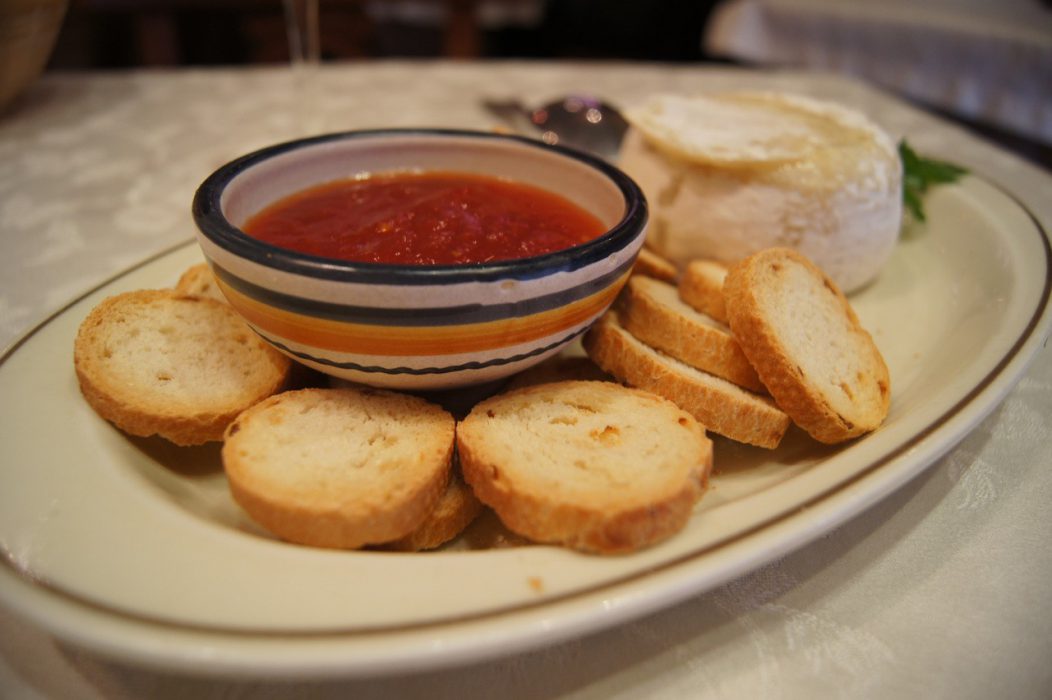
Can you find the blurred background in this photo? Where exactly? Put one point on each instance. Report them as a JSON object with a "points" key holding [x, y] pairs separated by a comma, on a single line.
{"points": [[121, 33], [986, 63]]}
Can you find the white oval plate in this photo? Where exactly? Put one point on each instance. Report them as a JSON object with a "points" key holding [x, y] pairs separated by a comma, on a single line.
{"points": [[134, 549]]}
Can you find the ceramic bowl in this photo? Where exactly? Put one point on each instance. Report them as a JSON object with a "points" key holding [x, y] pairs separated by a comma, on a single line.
{"points": [[418, 327]]}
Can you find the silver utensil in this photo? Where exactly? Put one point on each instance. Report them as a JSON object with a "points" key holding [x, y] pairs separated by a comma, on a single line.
{"points": [[578, 121]]}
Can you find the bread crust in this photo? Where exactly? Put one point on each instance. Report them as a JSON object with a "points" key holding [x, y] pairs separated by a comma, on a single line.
{"points": [[720, 406], [851, 393], [650, 264], [701, 287], [651, 311], [600, 505], [143, 395], [457, 508], [198, 280], [339, 468]]}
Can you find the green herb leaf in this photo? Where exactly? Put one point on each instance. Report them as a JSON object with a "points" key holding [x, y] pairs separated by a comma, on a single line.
{"points": [[919, 174], [913, 203]]}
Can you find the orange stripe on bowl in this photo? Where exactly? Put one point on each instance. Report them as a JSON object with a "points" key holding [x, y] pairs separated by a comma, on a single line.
{"points": [[368, 339]]}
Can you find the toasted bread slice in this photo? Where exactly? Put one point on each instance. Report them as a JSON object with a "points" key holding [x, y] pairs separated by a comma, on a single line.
{"points": [[653, 312], [456, 509], [721, 406], [339, 468], [701, 288], [155, 362], [805, 341], [200, 282], [592, 465], [650, 264]]}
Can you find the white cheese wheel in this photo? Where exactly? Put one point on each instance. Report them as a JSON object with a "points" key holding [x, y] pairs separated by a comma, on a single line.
{"points": [[727, 175]]}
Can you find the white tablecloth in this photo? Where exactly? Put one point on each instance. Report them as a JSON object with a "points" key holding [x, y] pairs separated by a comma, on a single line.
{"points": [[987, 61], [941, 590]]}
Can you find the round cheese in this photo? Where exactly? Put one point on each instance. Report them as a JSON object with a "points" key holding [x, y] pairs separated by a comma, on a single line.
{"points": [[727, 175]]}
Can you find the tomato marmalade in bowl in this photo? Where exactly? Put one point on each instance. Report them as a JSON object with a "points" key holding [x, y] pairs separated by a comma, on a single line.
{"points": [[419, 259], [430, 218]]}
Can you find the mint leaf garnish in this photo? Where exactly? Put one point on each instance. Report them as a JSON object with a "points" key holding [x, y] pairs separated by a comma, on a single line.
{"points": [[919, 174]]}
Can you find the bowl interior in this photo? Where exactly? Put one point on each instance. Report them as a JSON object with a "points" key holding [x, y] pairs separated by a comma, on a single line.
{"points": [[287, 170]]}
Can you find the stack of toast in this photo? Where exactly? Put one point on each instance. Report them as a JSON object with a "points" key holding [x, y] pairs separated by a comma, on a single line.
{"points": [[749, 349]]}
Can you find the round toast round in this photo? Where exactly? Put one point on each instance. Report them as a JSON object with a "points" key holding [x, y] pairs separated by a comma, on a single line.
{"points": [[701, 287], [650, 264], [456, 509], [652, 311], [157, 362], [806, 343], [592, 465], [721, 406], [339, 468], [199, 281]]}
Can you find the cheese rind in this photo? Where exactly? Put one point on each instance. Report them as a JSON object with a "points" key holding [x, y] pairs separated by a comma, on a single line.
{"points": [[731, 174]]}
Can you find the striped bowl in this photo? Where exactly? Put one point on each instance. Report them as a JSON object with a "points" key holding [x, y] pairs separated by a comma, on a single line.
{"points": [[418, 327]]}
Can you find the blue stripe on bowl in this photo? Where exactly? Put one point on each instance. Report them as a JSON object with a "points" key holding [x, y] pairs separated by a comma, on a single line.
{"points": [[420, 316]]}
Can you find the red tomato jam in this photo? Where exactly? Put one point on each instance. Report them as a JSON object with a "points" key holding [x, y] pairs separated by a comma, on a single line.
{"points": [[433, 218]]}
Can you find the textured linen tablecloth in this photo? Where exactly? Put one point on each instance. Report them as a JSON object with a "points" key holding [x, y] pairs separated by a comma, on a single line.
{"points": [[940, 590]]}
